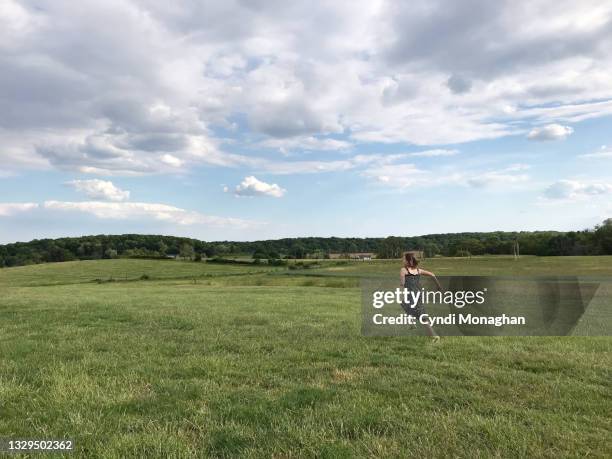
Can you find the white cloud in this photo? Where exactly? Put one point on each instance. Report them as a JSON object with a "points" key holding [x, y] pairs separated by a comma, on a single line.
{"points": [[408, 175], [100, 189], [573, 190], [141, 210], [8, 209], [314, 167], [251, 186], [398, 175], [131, 211], [550, 132], [510, 175], [306, 144], [171, 160], [304, 167], [496, 178], [434, 153], [603, 153]]}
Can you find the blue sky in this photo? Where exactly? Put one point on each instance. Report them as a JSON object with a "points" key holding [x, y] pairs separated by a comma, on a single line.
{"points": [[234, 121]]}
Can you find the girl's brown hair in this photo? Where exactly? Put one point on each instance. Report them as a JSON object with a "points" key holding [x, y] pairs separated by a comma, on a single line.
{"points": [[410, 260]]}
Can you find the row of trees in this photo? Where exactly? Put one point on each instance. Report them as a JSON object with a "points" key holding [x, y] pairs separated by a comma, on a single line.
{"points": [[102, 246], [596, 241]]}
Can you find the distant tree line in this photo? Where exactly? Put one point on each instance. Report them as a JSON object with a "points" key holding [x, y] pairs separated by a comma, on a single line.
{"points": [[596, 241]]}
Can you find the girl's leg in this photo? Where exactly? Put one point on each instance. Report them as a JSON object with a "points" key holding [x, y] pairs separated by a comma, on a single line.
{"points": [[430, 330]]}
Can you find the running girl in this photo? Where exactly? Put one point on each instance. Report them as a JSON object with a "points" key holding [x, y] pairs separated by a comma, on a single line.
{"points": [[410, 279]]}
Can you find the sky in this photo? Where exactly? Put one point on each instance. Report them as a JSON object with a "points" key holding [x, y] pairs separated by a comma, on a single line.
{"points": [[249, 120]]}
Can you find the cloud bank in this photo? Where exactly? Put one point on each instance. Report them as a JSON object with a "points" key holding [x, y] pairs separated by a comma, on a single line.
{"points": [[572, 190], [604, 152], [130, 87], [141, 210], [8, 209], [130, 211]]}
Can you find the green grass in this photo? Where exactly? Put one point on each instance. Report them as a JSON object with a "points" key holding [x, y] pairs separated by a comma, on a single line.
{"points": [[237, 361], [119, 270], [479, 266]]}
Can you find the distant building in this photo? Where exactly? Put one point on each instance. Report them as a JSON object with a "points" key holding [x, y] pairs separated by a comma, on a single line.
{"points": [[362, 255], [353, 255]]}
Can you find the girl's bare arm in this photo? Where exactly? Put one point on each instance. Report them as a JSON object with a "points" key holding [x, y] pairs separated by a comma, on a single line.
{"points": [[430, 274]]}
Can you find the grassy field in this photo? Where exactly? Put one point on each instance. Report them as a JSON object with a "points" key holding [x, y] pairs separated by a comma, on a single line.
{"points": [[175, 359]]}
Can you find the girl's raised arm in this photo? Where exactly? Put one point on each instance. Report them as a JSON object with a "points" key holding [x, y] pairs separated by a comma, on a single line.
{"points": [[430, 274]]}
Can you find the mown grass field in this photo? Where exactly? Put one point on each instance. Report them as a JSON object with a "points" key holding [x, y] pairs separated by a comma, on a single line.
{"points": [[205, 360]]}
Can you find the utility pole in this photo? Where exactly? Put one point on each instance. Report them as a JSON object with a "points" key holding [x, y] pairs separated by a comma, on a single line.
{"points": [[516, 250]]}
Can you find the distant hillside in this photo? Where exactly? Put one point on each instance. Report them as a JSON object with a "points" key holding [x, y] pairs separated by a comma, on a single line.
{"points": [[597, 241]]}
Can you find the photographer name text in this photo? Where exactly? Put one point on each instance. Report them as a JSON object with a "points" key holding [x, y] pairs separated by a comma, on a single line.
{"points": [[450, 319]]}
